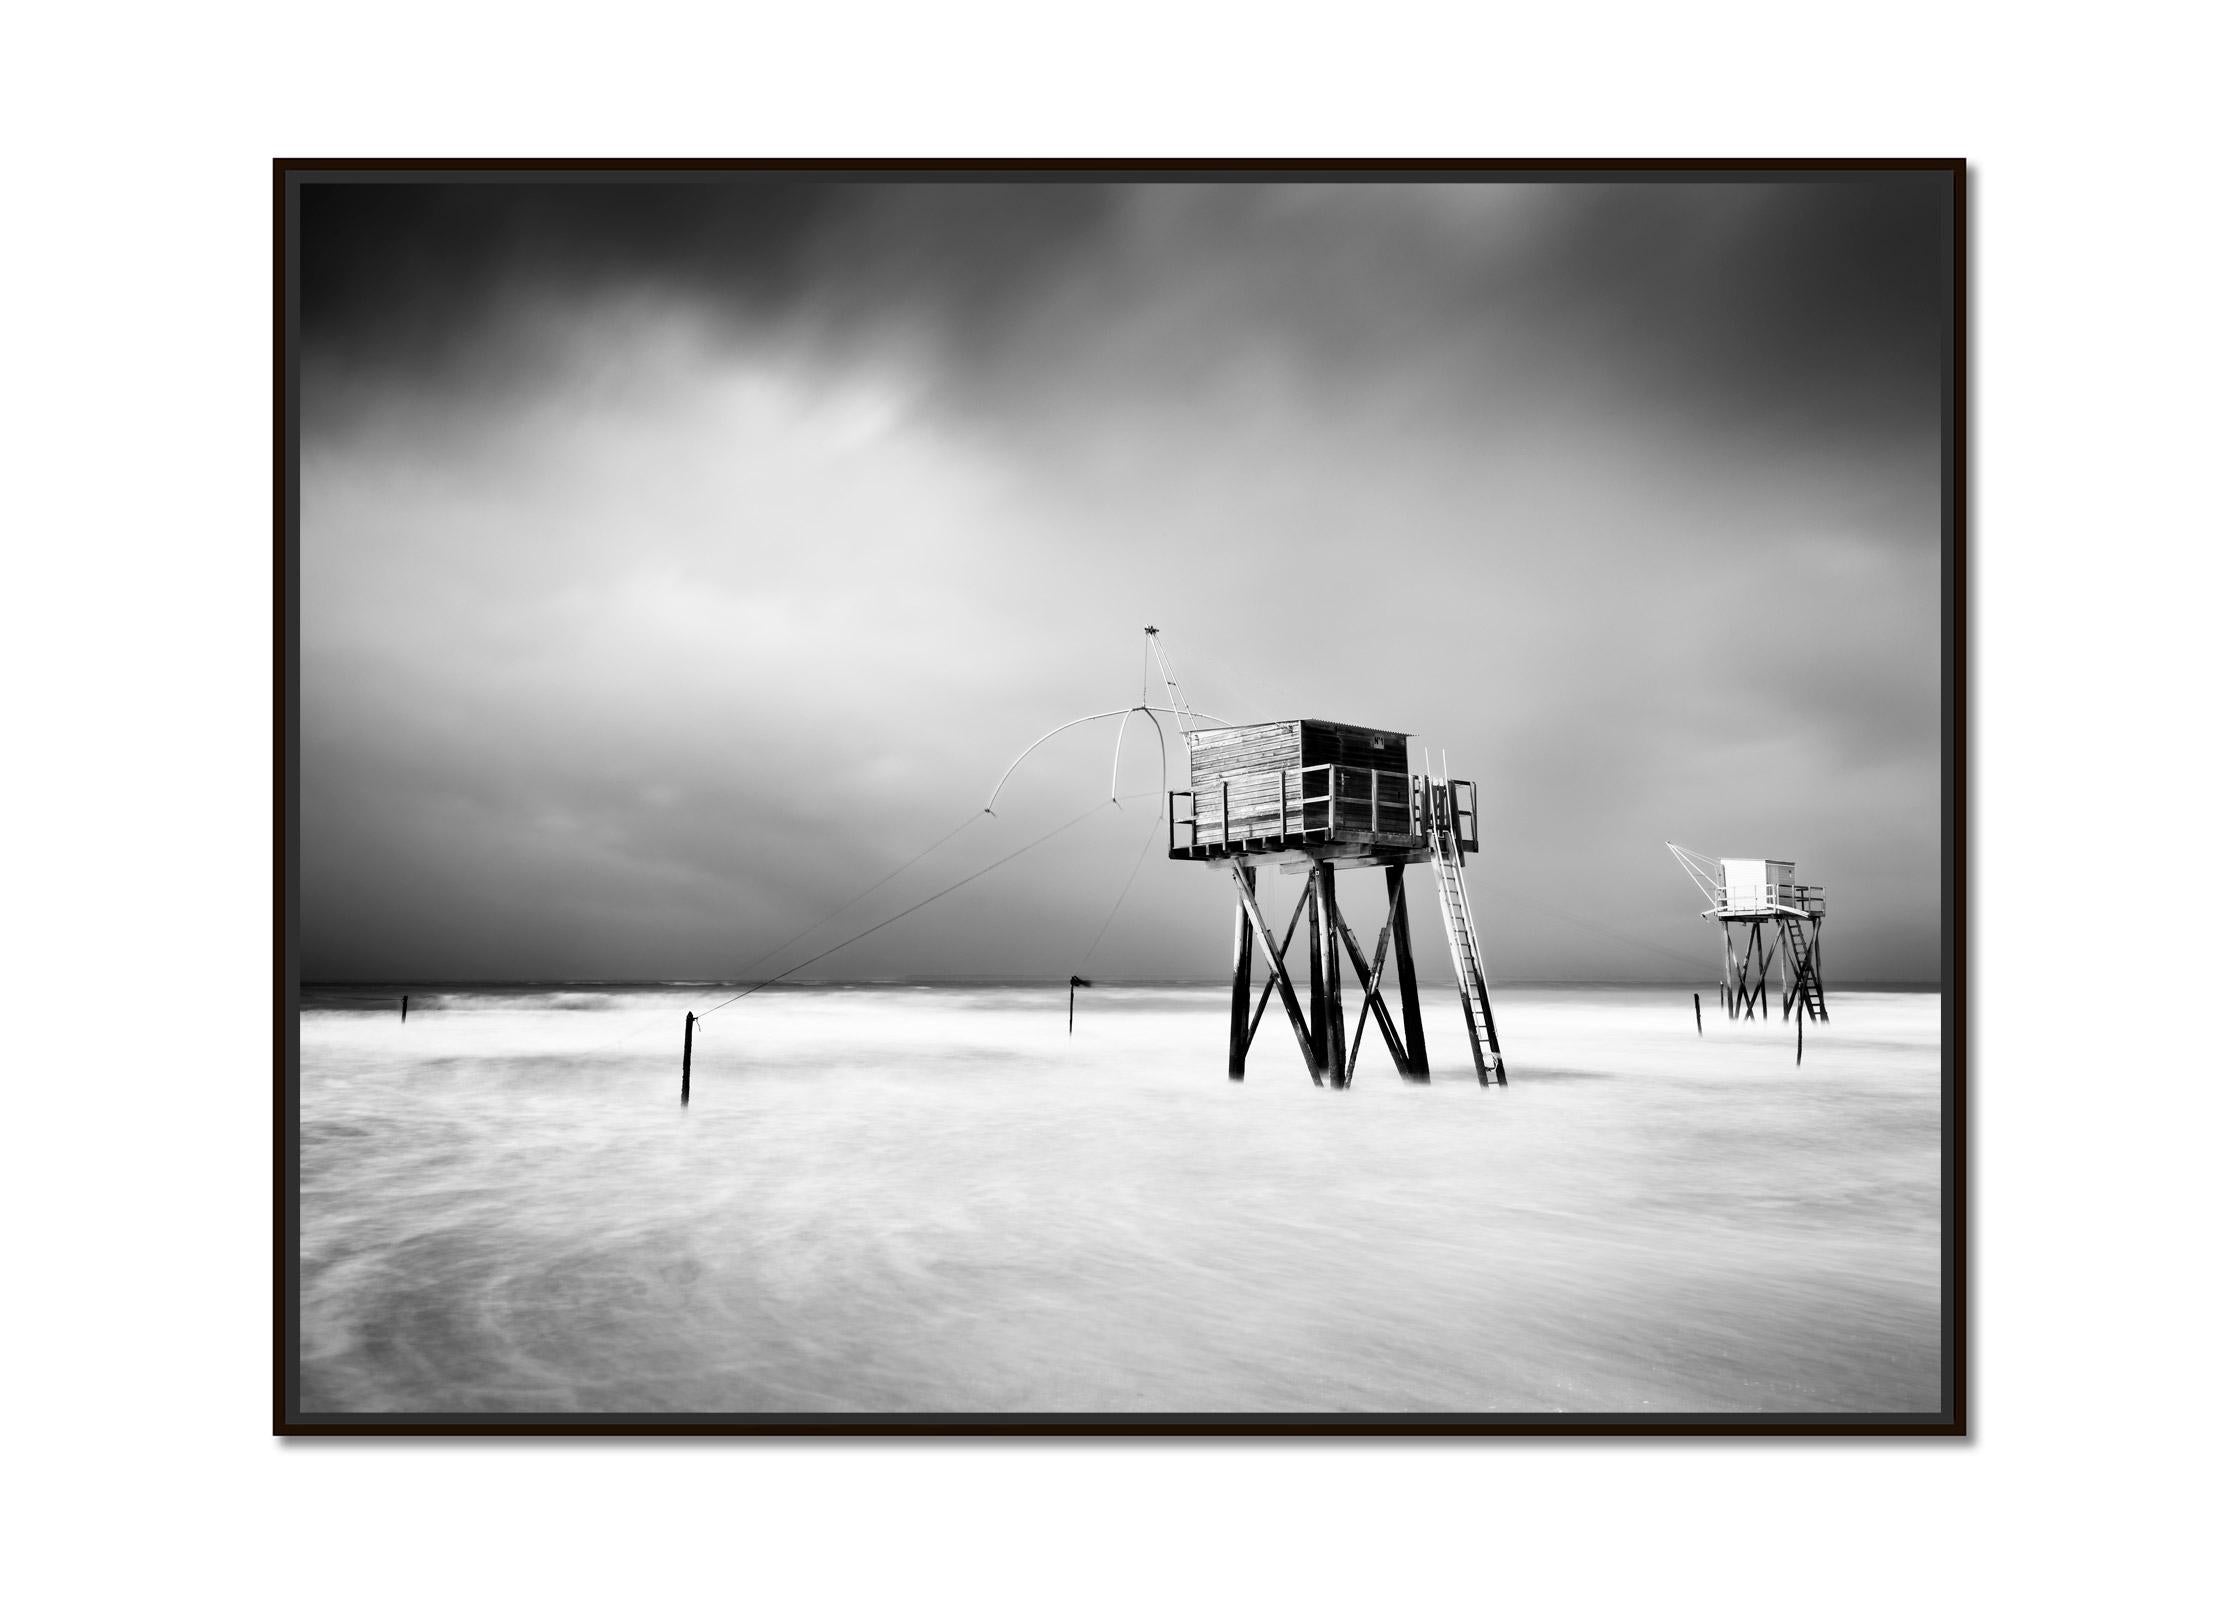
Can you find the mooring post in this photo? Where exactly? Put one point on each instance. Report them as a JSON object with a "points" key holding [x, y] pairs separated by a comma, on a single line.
{"points": [[1699, 1015], [404, 1006], [1240, 979], [685, 1098]]}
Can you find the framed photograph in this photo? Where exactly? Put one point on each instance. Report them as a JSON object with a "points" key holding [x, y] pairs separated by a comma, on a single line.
{"points": [[1066, 798]]}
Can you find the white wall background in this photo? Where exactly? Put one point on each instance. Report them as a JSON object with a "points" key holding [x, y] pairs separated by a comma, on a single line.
{"points": [[137, 661]]}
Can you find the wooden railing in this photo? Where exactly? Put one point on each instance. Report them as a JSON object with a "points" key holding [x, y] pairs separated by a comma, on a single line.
{"points": [[1456, 803], [1323, 800], [1807, 898]]}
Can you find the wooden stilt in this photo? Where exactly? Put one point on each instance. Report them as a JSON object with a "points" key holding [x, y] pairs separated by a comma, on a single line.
{"points": [[1404, 960], [1765, 970], [1240, 985], [685, 1098], [1334, 1030], [1749, 1002], [1699, 1016], [1318, 980], [1788, 986]]}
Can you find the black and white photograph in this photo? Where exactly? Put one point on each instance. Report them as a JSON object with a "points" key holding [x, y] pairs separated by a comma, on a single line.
{"points": [[1085, 798]]}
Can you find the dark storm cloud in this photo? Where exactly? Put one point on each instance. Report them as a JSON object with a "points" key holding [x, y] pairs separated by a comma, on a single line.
{"points": [[418, 282], [407, 277], [678, 557], [1813, 293], [1813, 302]]}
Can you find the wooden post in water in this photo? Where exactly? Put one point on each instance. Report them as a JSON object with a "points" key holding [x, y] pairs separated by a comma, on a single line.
{"points": [[1800, 1036], [1070, 987], [404, 1006], [1699, 1016], [685, 1098]]}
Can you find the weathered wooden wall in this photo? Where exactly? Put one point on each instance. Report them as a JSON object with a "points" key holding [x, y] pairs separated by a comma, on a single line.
{"points": [[1251, 760]]}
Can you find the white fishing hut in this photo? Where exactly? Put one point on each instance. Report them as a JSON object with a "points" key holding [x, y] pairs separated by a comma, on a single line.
{"points": [[1766, 919]]}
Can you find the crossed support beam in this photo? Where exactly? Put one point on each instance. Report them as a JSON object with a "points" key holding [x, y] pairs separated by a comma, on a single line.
{"points": [[1746, 988], [1321, 1027], [1750, 970]]}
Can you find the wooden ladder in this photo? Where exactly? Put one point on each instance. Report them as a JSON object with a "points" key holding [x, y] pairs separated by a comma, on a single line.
{"points": [[1462, 940], [1804, 961]]}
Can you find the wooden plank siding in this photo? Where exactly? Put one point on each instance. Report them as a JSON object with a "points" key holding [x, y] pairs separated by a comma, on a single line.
{"points": [[1249, 759], [1252, 762], [1216, 753]]}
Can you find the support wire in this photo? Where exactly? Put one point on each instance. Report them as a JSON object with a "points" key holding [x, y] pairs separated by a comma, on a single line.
{"points": [[906, 910]]}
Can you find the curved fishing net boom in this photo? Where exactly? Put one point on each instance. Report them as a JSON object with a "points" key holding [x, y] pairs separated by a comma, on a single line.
{"points": [[1153, 712], [1177, 708]]}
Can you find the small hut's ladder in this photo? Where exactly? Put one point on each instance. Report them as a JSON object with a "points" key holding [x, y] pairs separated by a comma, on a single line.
{"points": [[1804, 963], [1462, 936]]}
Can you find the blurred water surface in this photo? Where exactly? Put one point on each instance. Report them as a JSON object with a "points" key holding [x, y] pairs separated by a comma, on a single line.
{"points": [[894, 1198]]}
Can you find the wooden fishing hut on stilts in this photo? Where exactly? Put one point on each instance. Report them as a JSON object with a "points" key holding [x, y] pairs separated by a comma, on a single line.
{"points": [[1312, 798], [1778, 922]]}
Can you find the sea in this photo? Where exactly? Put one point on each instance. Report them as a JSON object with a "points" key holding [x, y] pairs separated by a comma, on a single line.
{"points": [[937, 1198]]}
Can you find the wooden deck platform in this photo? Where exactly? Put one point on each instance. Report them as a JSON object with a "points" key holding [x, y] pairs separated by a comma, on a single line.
{"points": [[1332, 844], [1326, 812]]}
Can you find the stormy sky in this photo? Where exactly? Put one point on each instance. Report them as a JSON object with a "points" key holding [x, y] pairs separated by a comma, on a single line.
{"points": [[679, 558]]}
